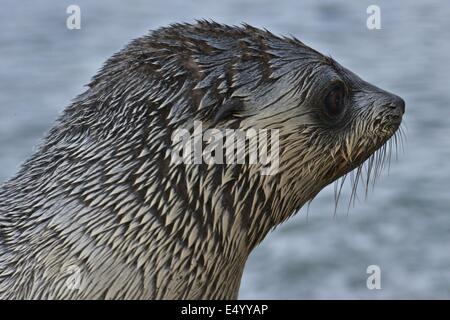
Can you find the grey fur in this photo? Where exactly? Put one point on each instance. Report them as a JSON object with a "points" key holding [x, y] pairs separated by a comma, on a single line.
{"points": [[101, 193]]}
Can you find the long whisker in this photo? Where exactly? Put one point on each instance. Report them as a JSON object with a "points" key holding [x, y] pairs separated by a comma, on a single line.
{"points": [[337, 192], [370, 170]]}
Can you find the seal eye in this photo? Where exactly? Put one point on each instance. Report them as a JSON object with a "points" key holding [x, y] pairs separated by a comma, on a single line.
{"points": [[334, 102]]}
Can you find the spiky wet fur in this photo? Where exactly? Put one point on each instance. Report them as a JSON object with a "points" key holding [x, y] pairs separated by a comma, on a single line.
{"points": [[101, 192]]}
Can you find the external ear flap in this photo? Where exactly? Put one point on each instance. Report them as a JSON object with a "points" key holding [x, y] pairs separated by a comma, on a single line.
{"points": [[224, 111]]}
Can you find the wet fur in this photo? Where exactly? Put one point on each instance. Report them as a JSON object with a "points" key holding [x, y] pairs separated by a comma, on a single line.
{"points": [[101, 193]]}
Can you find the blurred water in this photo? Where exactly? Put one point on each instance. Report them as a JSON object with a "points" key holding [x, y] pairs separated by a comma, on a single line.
{"points": [[404, 226]]}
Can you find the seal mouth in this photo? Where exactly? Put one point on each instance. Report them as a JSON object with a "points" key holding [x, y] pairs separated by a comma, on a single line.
{"points": [[395, 119], [388, 124], [366, 171]]}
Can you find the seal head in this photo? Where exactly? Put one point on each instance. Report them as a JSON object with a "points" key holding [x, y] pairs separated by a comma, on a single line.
{"points": [[101, 211]]}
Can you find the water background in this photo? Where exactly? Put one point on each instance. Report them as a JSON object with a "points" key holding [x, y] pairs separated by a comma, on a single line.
{"points": [[403, 226]]}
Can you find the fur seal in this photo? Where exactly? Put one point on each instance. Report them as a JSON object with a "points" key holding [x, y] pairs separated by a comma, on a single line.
{"points": [[100, 212]]}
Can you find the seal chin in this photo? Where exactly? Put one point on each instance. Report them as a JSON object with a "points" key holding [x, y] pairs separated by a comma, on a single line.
{"points": [[389, 126]]}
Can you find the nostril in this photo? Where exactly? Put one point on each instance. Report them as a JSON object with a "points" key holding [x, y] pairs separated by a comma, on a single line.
{"points": [[398, 103], [401, 104]]}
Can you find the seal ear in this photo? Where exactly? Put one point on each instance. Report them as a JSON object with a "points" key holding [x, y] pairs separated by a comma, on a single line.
{"points": [[227, 109]]}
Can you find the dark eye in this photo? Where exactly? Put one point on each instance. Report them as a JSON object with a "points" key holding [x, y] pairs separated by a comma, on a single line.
{"points": [[334, 102]]}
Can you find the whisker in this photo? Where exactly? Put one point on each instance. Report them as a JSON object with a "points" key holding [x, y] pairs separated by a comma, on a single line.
{"points": [[355, 180], [369, 168], [308, 205], [369, 171], [337, 192]]}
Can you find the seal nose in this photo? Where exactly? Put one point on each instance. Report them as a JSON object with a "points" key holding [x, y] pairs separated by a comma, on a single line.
{"points": [[398, 104]]}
